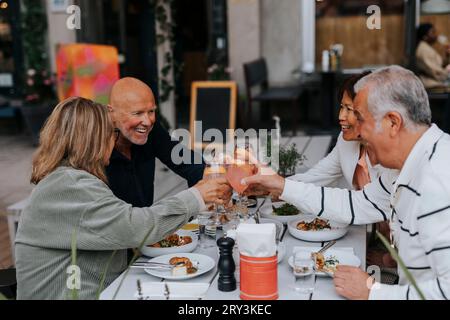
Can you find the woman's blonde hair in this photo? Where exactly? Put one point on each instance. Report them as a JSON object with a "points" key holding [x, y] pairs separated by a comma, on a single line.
{"points": [[78, 134]]}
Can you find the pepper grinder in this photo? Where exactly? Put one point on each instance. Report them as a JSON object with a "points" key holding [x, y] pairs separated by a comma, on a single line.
{"points": [[226, 266]]}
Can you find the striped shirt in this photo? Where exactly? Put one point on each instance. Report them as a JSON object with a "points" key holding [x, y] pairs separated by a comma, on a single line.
{"points": [[419, 207]]}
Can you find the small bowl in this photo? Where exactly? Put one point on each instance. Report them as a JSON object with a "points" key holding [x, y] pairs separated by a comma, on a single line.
{"points": [[337, 231], [267, 212], [155, 252]]}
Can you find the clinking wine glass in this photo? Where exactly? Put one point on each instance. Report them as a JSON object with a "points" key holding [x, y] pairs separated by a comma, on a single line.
{"points": [[241, 168], [216, 170]]}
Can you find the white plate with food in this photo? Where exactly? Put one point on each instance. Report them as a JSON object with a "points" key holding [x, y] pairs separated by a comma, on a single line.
{"points": [[280, 211], [185, 266], [327, 262], [314, 229], [180, 241]]}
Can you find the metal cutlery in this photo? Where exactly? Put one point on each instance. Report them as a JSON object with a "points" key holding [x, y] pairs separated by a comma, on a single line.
{"points": [[166, 291], [155, 265], [323, 249], [327, 246], [256, 215]]}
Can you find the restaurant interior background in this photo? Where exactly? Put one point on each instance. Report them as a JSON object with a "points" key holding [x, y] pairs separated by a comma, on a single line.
{"points": [[212, 39]]}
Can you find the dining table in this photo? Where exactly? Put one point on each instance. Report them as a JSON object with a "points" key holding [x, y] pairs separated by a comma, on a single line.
{"points": [[324, 288]]}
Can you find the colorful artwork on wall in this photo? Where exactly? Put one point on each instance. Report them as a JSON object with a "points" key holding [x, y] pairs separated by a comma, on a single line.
{"points": [[86, 70]]}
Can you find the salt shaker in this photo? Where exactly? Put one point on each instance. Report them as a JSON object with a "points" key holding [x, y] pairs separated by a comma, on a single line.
{"points": [[226, 266]]}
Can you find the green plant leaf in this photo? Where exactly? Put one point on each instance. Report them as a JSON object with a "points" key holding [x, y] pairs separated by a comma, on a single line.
{"points": [[133, 260], [402, 265], [74, 261], [102, 281]]}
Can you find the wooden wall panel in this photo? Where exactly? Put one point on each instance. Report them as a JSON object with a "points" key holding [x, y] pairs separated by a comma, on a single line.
{"points": [[370, 47], [362, 46]]}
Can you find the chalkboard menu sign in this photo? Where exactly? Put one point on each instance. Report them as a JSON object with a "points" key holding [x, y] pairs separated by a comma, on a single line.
{"points": [[213, 104]]}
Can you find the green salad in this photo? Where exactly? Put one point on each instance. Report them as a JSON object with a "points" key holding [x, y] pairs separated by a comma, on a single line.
{"points": [[285, 210]]}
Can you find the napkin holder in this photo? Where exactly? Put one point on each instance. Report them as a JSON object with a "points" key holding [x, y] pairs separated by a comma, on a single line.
{"points": [[258, 262]]}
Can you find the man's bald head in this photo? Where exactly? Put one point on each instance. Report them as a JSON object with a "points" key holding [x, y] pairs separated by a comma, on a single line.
{"points": [[130, 91], [133, 109]]}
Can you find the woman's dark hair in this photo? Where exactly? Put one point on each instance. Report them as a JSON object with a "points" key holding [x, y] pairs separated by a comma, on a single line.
{"points": [[349, 84], [423, 30]]}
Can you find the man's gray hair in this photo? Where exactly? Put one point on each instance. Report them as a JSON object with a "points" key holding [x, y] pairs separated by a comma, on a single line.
{"points": [[397, 89]]}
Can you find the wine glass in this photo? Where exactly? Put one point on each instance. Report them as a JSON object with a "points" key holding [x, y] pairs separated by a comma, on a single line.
{"points": [[241, 168], [214, 170]]}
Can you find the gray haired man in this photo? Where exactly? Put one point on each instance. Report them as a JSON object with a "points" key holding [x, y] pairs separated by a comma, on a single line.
{"points": [[395, 118], [393, 110]]}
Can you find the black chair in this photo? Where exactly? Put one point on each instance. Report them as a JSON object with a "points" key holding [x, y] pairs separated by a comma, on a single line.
{"points": [[256, 74], [8, 283], [440, 99]]}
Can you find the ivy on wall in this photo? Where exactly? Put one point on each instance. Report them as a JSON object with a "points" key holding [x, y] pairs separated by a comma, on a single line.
{"points": [[165, 38], [34, 29]]}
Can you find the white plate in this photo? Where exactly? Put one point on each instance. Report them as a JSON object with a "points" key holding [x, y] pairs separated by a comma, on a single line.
{"points": [[155, 252], [337, 231], [267, 212], [204, 264], [345, 257]]}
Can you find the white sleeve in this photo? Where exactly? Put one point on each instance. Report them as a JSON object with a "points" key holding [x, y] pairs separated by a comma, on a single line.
{"points": [[433, 225], [325, 172], [370, 205]]}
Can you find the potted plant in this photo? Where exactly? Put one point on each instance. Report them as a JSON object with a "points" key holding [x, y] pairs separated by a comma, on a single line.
{"points": [[39, 101], [289, 159], [39, 94]]}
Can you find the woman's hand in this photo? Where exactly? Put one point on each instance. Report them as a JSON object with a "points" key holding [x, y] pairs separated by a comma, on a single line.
{"points": [[215, 190], [265, 181]]}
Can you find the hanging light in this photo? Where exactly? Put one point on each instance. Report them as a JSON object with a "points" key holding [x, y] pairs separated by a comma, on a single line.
{"points": [[435, 7], [3, 5]]}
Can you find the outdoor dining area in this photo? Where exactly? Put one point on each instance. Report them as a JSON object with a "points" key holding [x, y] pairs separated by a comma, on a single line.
{"points": [[225, 151]]}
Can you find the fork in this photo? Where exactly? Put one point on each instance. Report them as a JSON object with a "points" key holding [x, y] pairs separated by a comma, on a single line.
{"points": [[325, 248], [155, 265], [166, 291], [256, 214]]}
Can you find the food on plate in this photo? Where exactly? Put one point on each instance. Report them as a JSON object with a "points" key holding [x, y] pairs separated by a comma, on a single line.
{"points": [[174, 240], [182, 266], [323, 264], [315, 225], [286, 210]]}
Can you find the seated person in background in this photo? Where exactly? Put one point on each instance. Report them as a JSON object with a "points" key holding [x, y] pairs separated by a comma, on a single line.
{"points": [[392, 107], [431, 68], [73, 199]]}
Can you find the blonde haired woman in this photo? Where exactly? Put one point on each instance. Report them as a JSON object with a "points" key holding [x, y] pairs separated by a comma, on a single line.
{"points": [[72, 197]]}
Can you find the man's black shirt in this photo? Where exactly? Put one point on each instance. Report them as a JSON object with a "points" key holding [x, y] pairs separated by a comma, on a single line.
{"points": [[133, 180]]}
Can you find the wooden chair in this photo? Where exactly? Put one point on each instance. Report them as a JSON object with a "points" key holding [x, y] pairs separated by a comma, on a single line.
{"points": [[256, 74]]}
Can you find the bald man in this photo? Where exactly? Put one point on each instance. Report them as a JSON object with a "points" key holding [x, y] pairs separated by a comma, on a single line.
{"points": [[131, 169]]}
